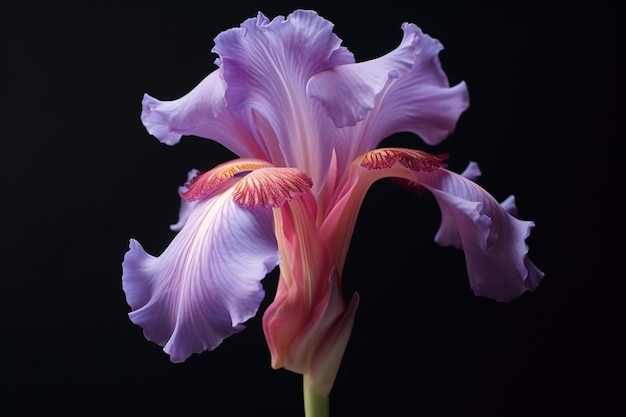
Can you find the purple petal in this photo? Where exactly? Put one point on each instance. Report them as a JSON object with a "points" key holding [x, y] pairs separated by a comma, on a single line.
{"points": [[509, 205], [415, 99], [201, 112], [208, 280], [189, 115], [422, 102], [472, 171], [492, 239], [266, 66], [449, 234], [348, 92]]}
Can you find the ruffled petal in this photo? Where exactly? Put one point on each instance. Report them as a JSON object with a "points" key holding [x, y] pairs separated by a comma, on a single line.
{"points": [[201, 112], [207, 282], [385, 96], [448, 233], [419, 100], [338, 224], [189, 115], [492, 239], [266, 65], [348, 92]]}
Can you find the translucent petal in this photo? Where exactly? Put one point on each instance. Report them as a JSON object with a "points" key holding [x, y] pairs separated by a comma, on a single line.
{"points": [[492, 239], [384, 96], [201, 112], [403, 91], [207, 282], [266, 65]]}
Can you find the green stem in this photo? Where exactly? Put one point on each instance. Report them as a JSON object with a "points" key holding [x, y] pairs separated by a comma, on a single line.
{"points": [[315, 405]]}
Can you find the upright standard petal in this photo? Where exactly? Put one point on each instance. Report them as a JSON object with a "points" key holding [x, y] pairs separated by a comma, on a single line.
{"points": [[207, 282], [188, 115], [405, 90], [202, 112], [348, 92], [422, 102], [266, 65]]}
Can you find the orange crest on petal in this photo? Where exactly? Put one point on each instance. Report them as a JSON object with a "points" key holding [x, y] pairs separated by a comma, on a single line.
{"points": [[203, 183], [410, 158], [271, 187]]}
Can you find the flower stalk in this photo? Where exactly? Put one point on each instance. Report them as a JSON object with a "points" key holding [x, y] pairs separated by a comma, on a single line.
{"points": [[305, 120], [315, 404]]}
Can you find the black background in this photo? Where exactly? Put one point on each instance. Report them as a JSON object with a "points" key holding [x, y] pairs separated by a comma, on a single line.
{"points": [[80, 176]]}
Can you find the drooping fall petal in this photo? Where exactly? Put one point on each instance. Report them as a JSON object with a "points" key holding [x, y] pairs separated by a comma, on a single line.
{"points": [[308, 324], [305, 119], [339, 223], [206, 284], [492, 239]]}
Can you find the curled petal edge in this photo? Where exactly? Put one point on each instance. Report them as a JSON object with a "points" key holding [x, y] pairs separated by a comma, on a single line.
{"points": [[198, 292], [492, 239]]}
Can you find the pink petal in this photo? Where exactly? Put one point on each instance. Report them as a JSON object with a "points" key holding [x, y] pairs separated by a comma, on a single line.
{"points": [[304, 282], [307, 326], [207, 282], [327, 356]]}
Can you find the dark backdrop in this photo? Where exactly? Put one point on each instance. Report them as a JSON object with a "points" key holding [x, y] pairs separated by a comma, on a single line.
{"points": [[80, 176]]}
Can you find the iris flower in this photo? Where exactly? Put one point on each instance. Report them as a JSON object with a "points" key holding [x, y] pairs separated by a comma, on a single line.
{"points": [[306, 121]]}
